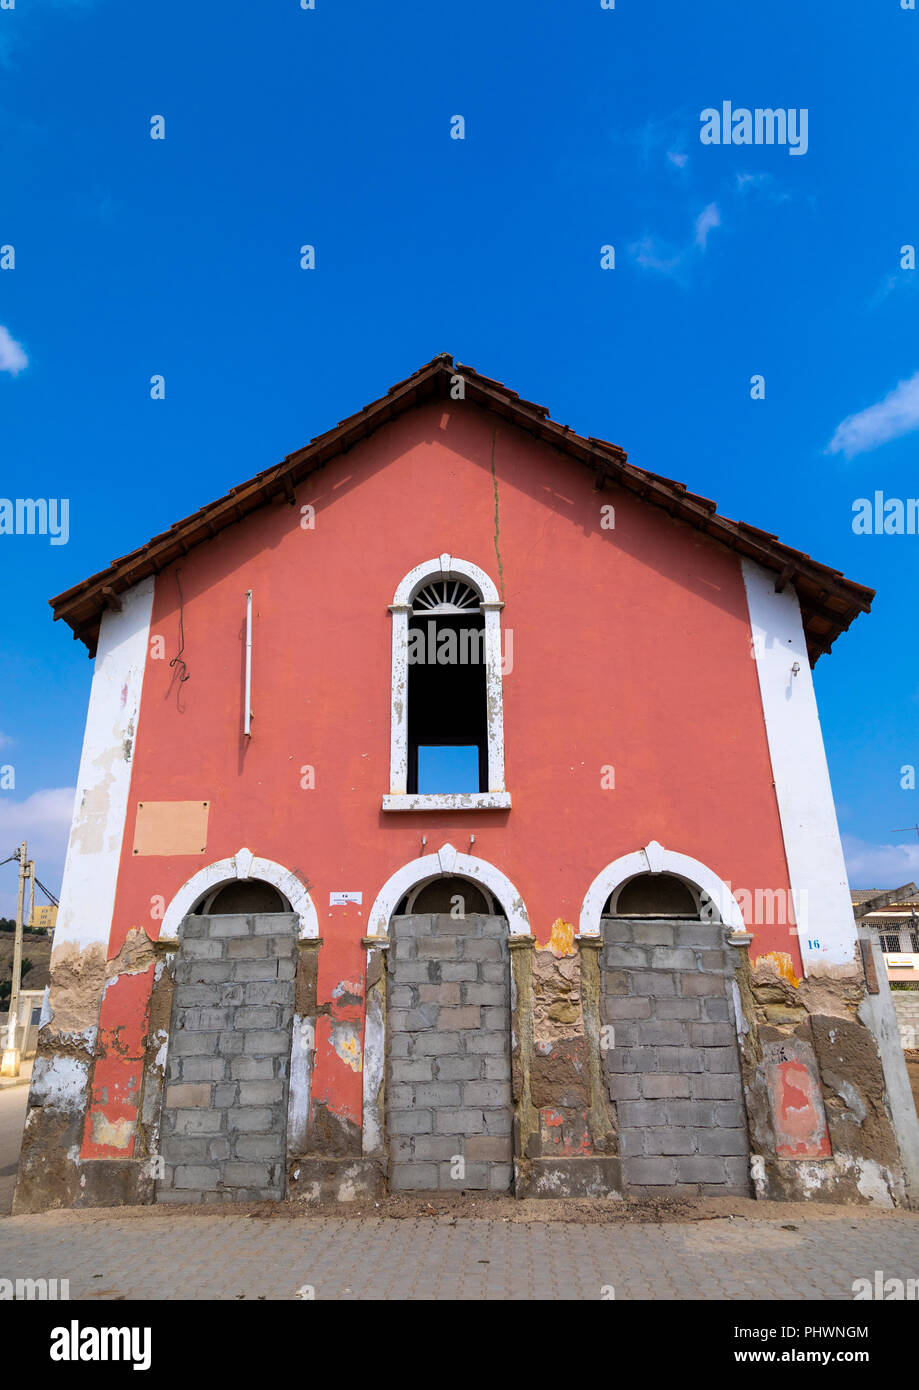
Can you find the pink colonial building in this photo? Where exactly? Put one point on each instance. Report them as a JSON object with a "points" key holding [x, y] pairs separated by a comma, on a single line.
{"points": [[453, 813]]}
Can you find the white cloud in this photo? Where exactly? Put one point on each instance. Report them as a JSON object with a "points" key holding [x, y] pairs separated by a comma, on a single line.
{"points": [[12, 354], [5, 740], [897, 414], [677, 158], [880, 866], [708, 219], [43, 821], [674, 260]]}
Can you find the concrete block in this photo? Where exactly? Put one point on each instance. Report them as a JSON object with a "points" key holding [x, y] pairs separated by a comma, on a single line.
{"points": [[187, 1095], [665, 958], [203, 949], [249, 1119], [726, 1142], [683, 1059], [193, 1044], [662, 1086], [257, 1016], [261, 1092], [467, 1017], [204, 1068], [699, 1168], [439, 994], [641, 1113], [411, 1069], [696, 986], [655, 983], [626, 957], [412, 1177], [266, 1043], [230, 925], [712, 1035], [485, 948], [485, 994], [247, 948], [436, 1147], [459, 970], [657, 1172], [437, 1044], [254, 1068], [678, 1008], [624, 1007], [716, 1086], [410, 1121], [488, 1094], [437, 1093], [201, 1176], [436, 948], [264, 1146], [469, 1177], [463, 1068], [247, 1175], [668, 1032]]}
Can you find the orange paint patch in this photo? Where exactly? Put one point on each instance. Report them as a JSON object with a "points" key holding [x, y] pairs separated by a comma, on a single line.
{"points": [[783, 964], [561, 939]]}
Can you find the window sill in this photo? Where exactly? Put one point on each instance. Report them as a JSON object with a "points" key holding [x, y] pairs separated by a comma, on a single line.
{"points": [[447, 801]]}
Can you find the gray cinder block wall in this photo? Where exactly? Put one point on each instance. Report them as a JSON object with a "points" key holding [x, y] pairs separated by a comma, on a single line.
{"points": [[224, 1119], [674, 1067], [906, 1007], [448, 1088]]}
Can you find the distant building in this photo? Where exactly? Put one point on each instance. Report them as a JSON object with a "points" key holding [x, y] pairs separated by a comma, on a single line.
{"points": [[43, 917], [897, 929]]}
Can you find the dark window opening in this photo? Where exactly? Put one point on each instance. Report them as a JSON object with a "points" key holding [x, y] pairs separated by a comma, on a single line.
{"points": [[439, 895], [244, 896], [653, 895], [447, 724]]}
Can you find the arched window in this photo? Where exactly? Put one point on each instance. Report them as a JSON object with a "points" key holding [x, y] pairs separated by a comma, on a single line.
{"points": [[441, 894], [653, 895], [447, 743], [243, 896]]}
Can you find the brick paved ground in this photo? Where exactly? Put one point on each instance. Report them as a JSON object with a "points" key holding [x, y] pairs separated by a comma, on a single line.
{"points": [[228, 1257]]}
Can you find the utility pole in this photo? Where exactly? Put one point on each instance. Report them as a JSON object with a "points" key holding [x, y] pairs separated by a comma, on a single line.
{"points": [[12, 1055]]}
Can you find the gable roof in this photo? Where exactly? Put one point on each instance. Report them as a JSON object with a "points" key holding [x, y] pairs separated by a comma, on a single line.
{"points": [[829, 601]]}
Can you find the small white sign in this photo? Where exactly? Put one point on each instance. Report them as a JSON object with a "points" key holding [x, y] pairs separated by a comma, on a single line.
{"points": [[338, 899]]}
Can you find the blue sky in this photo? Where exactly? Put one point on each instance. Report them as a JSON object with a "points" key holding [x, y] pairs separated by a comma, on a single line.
{"points": [[332, 127]]}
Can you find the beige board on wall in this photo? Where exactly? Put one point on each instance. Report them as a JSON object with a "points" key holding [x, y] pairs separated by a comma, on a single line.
{"points": [[171, 827]]}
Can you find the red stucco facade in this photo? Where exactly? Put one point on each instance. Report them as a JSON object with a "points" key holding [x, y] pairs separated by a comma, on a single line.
{"points": [[631, 649]]}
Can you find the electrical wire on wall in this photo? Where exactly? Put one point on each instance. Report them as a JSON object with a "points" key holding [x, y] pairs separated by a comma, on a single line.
{"points": [[180, 671]]}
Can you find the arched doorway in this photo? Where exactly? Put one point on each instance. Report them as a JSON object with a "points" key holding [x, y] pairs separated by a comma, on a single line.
{"points": [[438, 1107], [226, 1090], [670, 1058]]}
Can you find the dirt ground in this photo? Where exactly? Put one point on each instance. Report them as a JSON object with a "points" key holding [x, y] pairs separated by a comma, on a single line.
{"points": [[451, 1207]]}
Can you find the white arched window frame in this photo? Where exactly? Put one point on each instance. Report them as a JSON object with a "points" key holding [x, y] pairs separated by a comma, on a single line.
{"points": [[496, 798]]}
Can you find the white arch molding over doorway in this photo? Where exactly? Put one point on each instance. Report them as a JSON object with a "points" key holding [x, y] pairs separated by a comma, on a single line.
{"points": [[654, 859], [243, 864], [496, 797], [448, 862]]}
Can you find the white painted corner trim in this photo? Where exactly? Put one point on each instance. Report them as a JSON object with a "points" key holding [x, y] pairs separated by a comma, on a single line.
{"points": [[654, 859], [444, 567], [104, 780], [813, 848], [448, 861], [244, 864]]}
